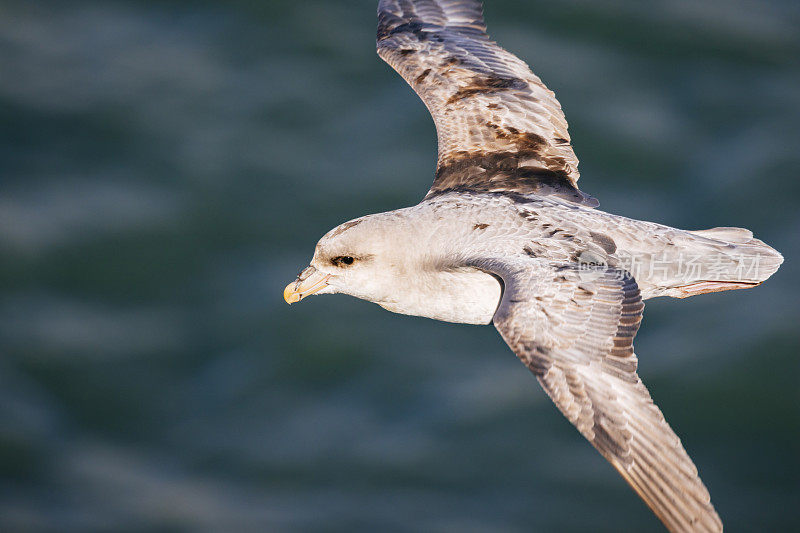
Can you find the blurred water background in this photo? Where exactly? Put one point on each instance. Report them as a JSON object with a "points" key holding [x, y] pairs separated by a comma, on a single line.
{"points": [[166, 168]]}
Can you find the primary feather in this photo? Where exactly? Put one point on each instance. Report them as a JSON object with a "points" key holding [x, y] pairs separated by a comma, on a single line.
{"points": [[499, 126]]}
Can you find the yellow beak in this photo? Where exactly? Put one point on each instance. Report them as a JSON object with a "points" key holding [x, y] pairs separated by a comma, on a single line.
{"points": [[307, 283]]}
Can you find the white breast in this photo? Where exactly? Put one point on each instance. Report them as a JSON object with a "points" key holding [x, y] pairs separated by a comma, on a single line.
{"points": [[465, 296]]}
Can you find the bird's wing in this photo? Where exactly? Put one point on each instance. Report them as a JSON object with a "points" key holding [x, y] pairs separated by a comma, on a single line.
{"points": [[499, 127], [574, 328]]}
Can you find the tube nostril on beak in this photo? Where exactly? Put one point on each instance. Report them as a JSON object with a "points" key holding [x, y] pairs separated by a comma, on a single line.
{"points": [[308, 282], [306, 273]]}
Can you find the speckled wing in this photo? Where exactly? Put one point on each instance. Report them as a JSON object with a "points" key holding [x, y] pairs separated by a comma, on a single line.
{"points": [[574, 329], [499, 127]]}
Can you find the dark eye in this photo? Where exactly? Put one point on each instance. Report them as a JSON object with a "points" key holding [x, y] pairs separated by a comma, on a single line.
{"points": [[342, 260]]}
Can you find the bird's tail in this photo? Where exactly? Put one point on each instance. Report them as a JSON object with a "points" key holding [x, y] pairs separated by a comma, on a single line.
{"points": [[722, 259]]}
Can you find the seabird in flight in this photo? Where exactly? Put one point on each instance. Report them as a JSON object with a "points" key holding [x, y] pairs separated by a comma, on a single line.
{"points": [[505, 237]]}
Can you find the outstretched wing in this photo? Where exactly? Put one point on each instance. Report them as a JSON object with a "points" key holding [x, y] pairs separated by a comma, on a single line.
{"points": [[499, 127], [574, 329]]}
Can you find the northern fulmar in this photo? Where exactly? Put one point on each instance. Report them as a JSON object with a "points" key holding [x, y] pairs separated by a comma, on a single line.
{"points": [[505, 237]]}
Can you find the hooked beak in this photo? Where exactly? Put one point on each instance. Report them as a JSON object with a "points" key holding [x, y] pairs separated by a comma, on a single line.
{"points": [[307, 283]]}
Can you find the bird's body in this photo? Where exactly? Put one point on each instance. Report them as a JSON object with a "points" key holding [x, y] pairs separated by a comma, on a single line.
{"points": [[434, 247], [505, 237]]}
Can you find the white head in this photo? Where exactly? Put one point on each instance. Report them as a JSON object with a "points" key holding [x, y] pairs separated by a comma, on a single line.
{"points": [[407, 261], [368, 258]]}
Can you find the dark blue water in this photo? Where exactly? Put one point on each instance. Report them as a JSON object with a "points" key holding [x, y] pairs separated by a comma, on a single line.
{"points": [[166, 168]]}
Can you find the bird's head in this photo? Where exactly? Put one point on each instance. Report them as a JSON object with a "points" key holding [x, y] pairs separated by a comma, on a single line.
{"points": [[361, 258]]}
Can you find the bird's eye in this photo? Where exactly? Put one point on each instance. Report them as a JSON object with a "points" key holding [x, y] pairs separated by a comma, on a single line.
{"points": [[342, 260]]}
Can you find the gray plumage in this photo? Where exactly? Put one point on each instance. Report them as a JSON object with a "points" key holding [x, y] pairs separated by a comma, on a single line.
{"points": [[505, 236]]}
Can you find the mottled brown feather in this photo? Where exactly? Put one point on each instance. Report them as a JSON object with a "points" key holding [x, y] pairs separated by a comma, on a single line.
{"points": [[499, 127], [573, 326]]}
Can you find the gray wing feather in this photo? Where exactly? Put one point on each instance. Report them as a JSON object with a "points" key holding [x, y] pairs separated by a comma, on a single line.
{"points": [[574, 329], [499, 127]]}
